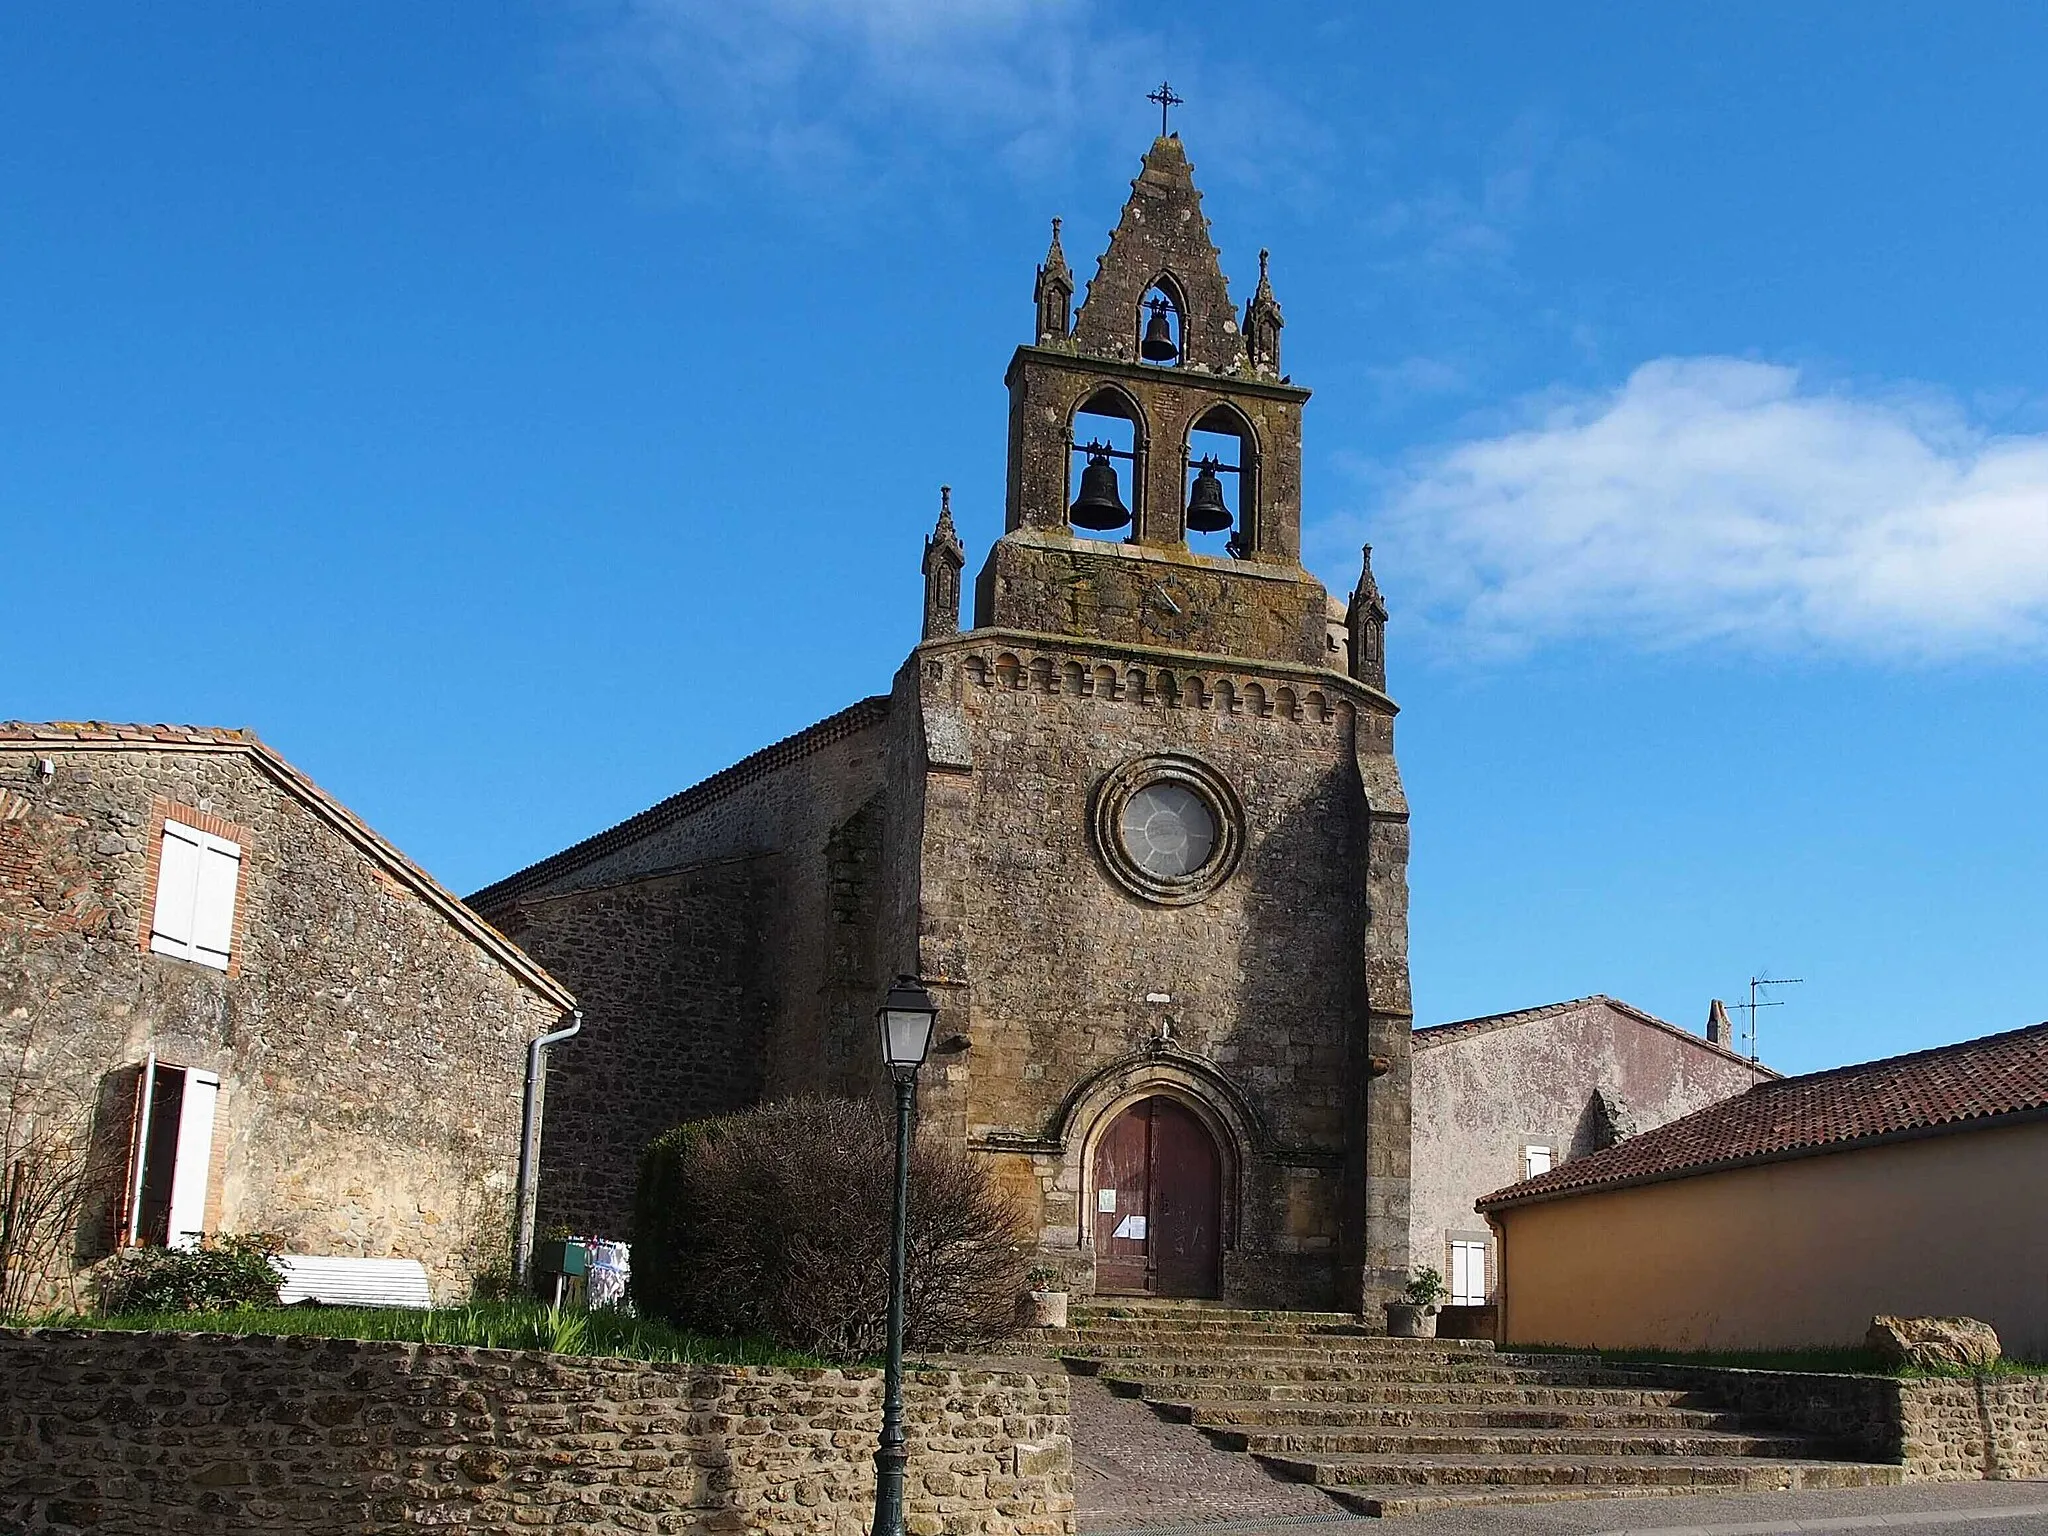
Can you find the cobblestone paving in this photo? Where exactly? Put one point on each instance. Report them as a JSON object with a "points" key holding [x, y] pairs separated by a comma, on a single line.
{"points": [[1134, 1470]]}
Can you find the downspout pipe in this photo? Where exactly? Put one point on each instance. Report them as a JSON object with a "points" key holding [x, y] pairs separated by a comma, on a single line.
{"points": [[529, 1138]]}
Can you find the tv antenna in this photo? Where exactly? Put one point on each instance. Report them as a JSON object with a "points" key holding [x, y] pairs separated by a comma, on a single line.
{"points": [[1755, 1002]]}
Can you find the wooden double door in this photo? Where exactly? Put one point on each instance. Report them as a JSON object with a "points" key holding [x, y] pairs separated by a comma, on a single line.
{"points": [[1158, 1202]]}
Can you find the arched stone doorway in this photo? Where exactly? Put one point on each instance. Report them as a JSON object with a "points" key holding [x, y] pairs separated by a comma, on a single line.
{"points": [[1157, 1197]]}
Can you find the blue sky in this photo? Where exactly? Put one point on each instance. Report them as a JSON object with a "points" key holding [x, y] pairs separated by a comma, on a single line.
{"points": [[515, 413]]}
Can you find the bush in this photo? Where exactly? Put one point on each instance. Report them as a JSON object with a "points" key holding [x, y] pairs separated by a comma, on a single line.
{"points": [[221, 1274], [774, 1223]]}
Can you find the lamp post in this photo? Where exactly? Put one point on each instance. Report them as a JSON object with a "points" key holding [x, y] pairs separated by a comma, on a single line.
{"points": [[906, 1016]]}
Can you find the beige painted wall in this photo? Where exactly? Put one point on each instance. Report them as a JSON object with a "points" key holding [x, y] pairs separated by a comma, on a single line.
{"points": [[1480, 1099], [1796, 1253]]}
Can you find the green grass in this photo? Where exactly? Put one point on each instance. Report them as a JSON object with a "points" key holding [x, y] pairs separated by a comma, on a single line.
{"points": [[485, 1325], [1848, 1360]]}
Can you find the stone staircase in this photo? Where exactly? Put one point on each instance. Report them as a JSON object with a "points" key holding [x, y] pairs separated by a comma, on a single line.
{"points": [[1394, 1426]]}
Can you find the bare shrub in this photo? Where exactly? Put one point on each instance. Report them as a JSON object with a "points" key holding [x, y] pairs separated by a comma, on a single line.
{"points": [[775, 1223]]}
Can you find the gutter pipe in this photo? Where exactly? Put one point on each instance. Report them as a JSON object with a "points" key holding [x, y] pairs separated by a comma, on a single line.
{"points": [[529, 1139]]}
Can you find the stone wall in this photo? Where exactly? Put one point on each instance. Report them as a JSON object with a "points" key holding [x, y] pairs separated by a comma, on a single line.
{"points": [[669, 973], [1986, 1426], [1250, 1005], [1941, 1429], [182, 1433], [721, 945], [370, 1036]]}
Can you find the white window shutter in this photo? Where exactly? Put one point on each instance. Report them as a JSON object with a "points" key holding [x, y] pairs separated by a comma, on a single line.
{"points": [[1537, 1160], [213, 919], [194, 1159], [177, 891], [1468, 1274]]}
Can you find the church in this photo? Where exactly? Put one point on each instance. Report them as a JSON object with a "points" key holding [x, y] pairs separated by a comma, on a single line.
{"points": [[1137, 825]]}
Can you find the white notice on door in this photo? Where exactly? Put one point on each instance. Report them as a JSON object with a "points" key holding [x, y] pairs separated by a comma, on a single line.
{"points": [[1105, 1200], [1131, 1227]]}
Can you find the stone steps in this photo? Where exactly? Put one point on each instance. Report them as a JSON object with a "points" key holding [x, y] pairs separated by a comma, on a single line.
{"points": [[1301, 1440], [1138, 1310], [1153, 1370], [1360, 1471], [1390, 1426], [1391, 1394], [1426, 1415], [1363, 1352], [1418, 1499]]}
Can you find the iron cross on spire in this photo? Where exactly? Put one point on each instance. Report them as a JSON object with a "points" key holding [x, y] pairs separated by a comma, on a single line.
{"points": [[1165, 97]]}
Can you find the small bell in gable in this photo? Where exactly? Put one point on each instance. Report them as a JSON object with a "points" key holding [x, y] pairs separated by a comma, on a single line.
{"points": [[1158, 346], [1100, 505], [1207, 512]]}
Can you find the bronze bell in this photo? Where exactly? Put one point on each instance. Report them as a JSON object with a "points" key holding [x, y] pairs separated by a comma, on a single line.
{"points": [[1158, 346], [1099, 505], [1206, 511]]}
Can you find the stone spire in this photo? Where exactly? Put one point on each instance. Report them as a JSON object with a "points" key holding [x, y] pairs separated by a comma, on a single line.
{"points": [[943, 559], [1367, 618], [1053, 293], [1262, 322], [1162, 238]]}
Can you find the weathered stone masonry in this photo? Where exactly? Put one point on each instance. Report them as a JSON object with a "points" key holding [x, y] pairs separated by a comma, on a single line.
{"points": [[952, 828], [1940, 1428], [369, 1034], [216, 1435]]}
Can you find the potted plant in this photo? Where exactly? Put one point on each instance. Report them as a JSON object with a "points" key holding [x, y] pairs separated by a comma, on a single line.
{"points": [[1415, 1318], [1045, 1298]]}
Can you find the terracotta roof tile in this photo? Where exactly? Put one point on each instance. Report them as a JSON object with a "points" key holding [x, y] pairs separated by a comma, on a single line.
{"points": [[58, 731], [1947, 1087]]}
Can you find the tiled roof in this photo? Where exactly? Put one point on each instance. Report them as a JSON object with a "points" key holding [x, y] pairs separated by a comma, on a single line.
{"points": [[59, 732], [101, 735], [1464, 1029], [1948, 1088], [675, 808]]}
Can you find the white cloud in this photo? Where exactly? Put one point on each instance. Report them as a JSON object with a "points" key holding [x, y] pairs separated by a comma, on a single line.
{"points": [[1716, 500], [836, 96]]}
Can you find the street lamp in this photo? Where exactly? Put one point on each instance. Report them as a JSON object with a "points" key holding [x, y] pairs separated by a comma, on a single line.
{"points": [[906, 1016]]}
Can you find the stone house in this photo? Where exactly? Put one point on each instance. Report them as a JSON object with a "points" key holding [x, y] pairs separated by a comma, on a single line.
{"points": [[1511, 1095], [228, 1005], [1787, 1216], [1139, 827]]}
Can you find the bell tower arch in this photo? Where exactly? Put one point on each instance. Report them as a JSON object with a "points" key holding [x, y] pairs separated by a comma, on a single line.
{"points": [[1158, 342], [1160, 793]]}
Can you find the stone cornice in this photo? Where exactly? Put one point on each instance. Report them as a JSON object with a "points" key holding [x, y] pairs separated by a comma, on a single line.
{"points": [[1190, 377], [1082, 649]]}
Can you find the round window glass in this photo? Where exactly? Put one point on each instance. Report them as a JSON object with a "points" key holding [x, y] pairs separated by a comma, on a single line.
{"points": [[1168, 830]]}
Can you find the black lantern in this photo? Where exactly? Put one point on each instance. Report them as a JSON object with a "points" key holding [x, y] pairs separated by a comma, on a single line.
{"points": [[906, 1017]]}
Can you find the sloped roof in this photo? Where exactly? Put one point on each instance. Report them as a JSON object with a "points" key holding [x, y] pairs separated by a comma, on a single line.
{"points": [[1949, 1088], [1464, 1029], [99, 734], [677, 807]]}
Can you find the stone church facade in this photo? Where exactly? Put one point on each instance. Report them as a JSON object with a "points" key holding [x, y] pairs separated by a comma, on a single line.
{"points": [[1138, 826]]}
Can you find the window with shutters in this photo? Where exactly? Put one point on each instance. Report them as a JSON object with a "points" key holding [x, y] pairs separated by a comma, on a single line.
{"points": [[170, 1155], [1535, 1159], [198, 874], [1468, 1273]]}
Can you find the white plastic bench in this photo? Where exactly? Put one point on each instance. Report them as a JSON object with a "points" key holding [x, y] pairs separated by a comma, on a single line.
{"points": [[338, 1282]]}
